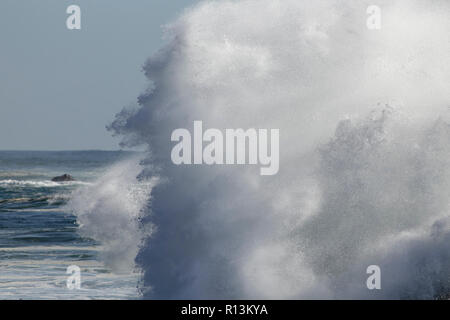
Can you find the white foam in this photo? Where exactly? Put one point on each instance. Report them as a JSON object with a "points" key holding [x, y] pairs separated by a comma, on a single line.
{"points": [[348, 178], [39, 184], [109, 211]]}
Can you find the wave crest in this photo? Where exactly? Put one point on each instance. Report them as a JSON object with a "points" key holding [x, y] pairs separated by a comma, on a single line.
{"points": [[348, 180]]}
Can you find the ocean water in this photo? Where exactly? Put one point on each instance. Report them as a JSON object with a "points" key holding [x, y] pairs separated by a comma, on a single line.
{"points": [[39, 233], [364, 171]]}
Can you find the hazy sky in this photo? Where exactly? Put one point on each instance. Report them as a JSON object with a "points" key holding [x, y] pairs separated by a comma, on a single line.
{"points": [[60, 87]]}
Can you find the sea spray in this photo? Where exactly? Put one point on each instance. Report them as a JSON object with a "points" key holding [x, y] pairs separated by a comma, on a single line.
{"points": [[356, 187], [109, 210]]}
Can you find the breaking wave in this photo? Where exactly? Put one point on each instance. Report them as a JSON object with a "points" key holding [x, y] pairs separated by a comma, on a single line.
{"points": [[38, 184], [364, 155]]}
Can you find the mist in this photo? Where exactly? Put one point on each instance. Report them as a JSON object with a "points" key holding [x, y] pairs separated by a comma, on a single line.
{"points": [[364, 152]]}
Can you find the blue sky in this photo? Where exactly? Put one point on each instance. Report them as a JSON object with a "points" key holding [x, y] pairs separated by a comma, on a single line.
{"points": [[60, 87]]}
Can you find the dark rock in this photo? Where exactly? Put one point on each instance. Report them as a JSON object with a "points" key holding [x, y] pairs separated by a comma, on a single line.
{"points": [[64, 177]]}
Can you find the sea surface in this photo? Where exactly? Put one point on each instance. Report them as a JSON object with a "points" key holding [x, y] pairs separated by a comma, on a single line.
{"points": [[39, 237]]}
